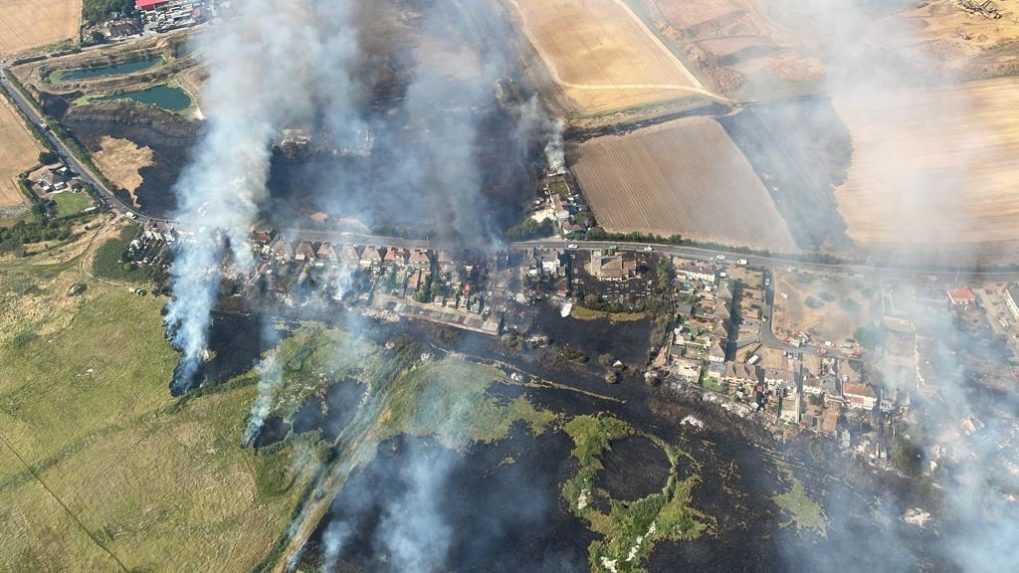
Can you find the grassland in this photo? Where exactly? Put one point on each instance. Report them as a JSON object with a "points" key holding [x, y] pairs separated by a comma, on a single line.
{"points": [[19, 152], [69, 204], [934, 166], [827, 308], [447, 399], [584, 313], [108, 261], [684, 177], [601, 55], [28, 24], [121, 161], [99, 464], [804, 512], [630, 529]]}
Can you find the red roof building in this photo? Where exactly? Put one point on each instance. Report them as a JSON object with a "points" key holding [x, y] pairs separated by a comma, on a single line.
{"points": [[149, 4], [961, 297]]}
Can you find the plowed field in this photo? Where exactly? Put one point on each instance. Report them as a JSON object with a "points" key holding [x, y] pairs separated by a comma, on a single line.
{"points": [[602, 55], [683, 177], [934, 166]]}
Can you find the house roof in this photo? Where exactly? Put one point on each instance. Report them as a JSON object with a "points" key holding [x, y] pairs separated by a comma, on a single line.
{"points": [[858, 390], [145, 4], [305, 248], [326, 251], [609, 267], [395, 255], [740, 371], [349, 253], [281, 247], [961, 296], [418, 257]]}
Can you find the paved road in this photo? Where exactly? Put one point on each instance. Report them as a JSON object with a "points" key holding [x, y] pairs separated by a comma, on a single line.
{"points": [[77, 167], [779, 261], [772, 261]]}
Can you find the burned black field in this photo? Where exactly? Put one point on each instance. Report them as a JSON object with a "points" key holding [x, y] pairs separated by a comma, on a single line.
{"points": [[501, 506]]}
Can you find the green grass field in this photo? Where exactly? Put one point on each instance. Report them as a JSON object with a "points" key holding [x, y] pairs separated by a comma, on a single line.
{"points": [[108, 262], [584, 313], [98, 464], [69, 204], [804, 512]]}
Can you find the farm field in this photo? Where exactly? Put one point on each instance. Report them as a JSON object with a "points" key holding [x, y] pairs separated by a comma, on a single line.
{"points": [[602, 56], [18, 152], [683, 177], [27, 24], [827, 308], [735, 44], [961, 144], [972, 45]]}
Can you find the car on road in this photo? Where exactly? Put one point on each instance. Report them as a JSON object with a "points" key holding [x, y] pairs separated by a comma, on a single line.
{"points": [[719, 257], [571, 246], [649, 249]]}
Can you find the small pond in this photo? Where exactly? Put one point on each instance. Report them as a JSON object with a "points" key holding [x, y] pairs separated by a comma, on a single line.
{"points": [[120, 69]]}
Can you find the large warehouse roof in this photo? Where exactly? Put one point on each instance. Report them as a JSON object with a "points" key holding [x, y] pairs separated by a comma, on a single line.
{"points": [[146, 4]]}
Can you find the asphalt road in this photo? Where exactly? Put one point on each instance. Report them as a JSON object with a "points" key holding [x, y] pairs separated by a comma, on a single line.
{"points": [[75, 166], [779, 261], [772, 261]]}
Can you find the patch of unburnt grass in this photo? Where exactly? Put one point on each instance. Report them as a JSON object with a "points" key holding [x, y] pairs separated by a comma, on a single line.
{"points": [[630, 528], [806, 514]]}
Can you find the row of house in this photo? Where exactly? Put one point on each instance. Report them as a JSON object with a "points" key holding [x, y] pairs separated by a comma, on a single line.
{"points": [[324, 253]]}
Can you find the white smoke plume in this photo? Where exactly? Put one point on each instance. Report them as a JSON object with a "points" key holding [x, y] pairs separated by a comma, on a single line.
{"points": [[874, 63], [264, 64], [333, 540], [416, 536], [270, 378], [555, 153]]}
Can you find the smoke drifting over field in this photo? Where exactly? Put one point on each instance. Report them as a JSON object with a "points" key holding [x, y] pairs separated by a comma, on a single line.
{"points": [[871, 63]]}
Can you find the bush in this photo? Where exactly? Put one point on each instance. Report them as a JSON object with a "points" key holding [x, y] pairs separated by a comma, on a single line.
{"points": [[47, 157], [13, 239], [531, 229], [96, 11]]}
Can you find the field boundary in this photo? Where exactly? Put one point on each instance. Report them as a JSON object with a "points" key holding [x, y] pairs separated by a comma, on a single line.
{"points": [[77, 520]]}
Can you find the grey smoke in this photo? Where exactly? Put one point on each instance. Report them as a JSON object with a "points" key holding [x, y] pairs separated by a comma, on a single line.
{"points": [[334, 539], [270, 378], [872, 61], [259, 72], [555, 152]]}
